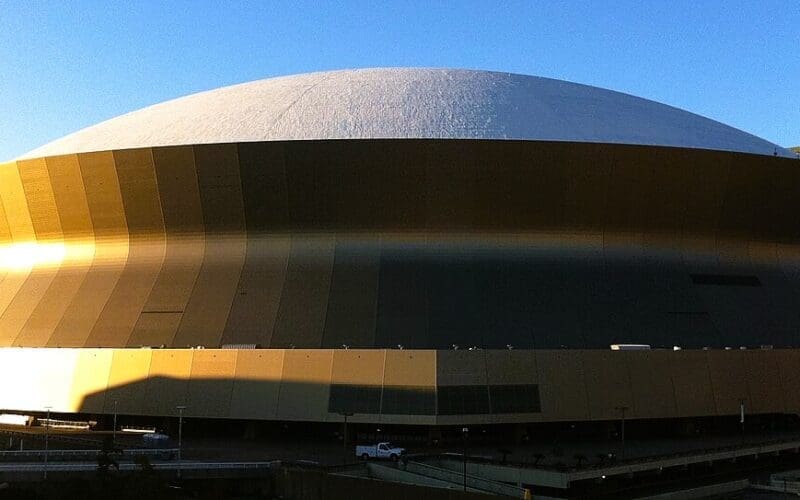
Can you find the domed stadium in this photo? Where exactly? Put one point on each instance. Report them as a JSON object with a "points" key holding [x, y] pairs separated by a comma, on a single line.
{"points": [[409, 246]]}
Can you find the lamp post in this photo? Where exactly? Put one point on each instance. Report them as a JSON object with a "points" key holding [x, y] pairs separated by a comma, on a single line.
{"points": [[114, 430], [464, 433], [180, 435], [622, 410], [46, 440], [345, 414]]}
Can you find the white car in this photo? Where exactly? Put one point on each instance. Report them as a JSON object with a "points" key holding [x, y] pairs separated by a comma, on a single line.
{"points": [[380, 450]]}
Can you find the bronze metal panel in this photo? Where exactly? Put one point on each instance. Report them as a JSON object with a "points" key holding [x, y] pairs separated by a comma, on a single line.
{"points": [[651, 383], [450, 185], [168, 382], [207, 312], [413, 371], [462, 367], [255, 305], [728, 380], [264, 187], [104, 203], [127, 382], [139, 190], [185, 244], [73, 211], [764, 382], [788, 362], [257, 384], [211, 382], [358, 366], [12, 196], [692, 382], [41, 202], [304, 300], [511, 367], [305, 384], [608, 384], [90, 380], [352, 309], [562, 385], [47, 227]]}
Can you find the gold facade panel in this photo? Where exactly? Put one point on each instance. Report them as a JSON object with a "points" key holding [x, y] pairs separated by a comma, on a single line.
{"points": [[15, 204], [608, 383], [257, 383], [258, 295], [358, 367], [127, 382], [41, 202], [140, 199], [211, 385], [104, 202], [511, 367], [410, 368], [351, 316], [304, 300], [168, 382], [692, 383], [728, 380], [788, 362], [24, 303], [103, 196], [764, 382], [123, 308], [179, 198], [651, 384], [461, 367], [305, 384], [90, 380], [562, 385]]}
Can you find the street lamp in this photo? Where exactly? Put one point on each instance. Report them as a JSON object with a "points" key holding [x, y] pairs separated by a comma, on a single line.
{"points": [[345, 414], [180, 435], [464, 433], [114, 430], [46, 440], [622, 409]]}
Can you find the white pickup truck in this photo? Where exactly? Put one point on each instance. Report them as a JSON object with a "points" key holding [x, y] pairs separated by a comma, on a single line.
{"points": [[380, 450]]}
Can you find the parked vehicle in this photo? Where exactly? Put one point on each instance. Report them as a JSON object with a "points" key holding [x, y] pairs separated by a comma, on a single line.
{"points": [[380, 450]]}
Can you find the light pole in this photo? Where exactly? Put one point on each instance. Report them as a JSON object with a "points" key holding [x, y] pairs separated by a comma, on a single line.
{"points": [[46, 440], [345, 414], [622, 409], [114, 430], [464, 433], [180, 435]]}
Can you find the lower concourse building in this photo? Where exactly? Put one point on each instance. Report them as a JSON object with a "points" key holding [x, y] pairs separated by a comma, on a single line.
{"points": [[412, 246]]}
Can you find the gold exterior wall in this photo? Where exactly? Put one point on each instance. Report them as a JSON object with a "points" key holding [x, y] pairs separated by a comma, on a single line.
{"points": [[297, 384], [306, 248]]}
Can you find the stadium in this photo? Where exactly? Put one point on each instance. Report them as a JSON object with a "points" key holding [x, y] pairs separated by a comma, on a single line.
{"points": [[402, 246]]}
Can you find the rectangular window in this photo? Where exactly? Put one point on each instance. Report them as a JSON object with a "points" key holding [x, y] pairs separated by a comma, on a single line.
{"points": [[725, 280], [463, 400], [408, 400], [517, 398], [346, 398]]}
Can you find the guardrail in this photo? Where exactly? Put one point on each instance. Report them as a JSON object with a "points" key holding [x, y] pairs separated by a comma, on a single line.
{"points": [[54, 455]]}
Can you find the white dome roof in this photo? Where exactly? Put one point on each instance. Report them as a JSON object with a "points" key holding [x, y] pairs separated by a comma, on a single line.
{"points": [[409, 103]]}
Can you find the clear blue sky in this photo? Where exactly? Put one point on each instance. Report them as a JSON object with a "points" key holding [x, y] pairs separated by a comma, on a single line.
{"points": [[66, 65]]}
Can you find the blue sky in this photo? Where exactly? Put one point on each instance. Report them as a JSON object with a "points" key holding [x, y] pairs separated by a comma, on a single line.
{"points": [[66, 65]]}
